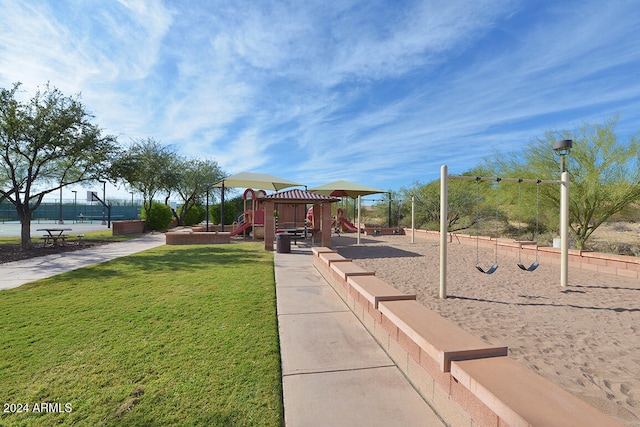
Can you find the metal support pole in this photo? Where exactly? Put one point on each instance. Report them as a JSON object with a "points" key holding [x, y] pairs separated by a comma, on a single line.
{"points": [[75, 205], [104, 201], [564, 230], [413, 220], [389, 210], [443, 230], [60, 221], [207, 229], [359, 201], [222, 207]]}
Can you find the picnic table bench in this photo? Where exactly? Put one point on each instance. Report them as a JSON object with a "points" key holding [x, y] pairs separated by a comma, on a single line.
{"points": [[54, 236]]}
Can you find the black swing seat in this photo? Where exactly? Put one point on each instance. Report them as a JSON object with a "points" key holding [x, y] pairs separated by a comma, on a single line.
{"points": [[530, 268], [491, 270]]}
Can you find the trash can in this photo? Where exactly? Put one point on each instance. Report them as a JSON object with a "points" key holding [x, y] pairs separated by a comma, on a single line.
{"points": [[283, 243]]}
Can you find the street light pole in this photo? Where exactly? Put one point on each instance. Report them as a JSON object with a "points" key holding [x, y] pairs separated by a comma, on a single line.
{"points": [[562, 148]]}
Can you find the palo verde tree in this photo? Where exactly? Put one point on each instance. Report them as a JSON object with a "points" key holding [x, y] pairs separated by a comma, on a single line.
{"points": [[47, 143], [461, 208], [604, 174]]}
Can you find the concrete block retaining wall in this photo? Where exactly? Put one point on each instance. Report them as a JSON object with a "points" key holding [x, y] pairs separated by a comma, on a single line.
{"points": [[621, 265], [467, 381], [127, 227]]}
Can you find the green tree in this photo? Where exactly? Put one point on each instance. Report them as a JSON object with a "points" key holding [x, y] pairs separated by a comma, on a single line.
{"points": [[149, 168], [196, 214], [47, 143], [604, 174], [462, 204], [232, 210], [158, 216], [194, 177]]}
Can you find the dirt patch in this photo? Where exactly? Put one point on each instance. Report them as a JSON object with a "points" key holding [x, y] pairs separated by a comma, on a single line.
{"points": [[10, 253]]}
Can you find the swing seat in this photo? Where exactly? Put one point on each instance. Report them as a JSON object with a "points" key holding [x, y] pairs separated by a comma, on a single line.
{"points": [[530, 268], [491, 270]]}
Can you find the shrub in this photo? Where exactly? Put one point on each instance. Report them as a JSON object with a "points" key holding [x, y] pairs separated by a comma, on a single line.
{"points": [[195, 215], [160, 216]]}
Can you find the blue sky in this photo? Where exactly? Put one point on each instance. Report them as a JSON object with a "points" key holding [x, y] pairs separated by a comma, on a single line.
{"points": [[377, 92]]}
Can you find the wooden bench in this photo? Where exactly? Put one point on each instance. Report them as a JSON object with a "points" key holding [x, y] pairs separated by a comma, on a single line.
{"points": [[521, 397], [438, 337]]}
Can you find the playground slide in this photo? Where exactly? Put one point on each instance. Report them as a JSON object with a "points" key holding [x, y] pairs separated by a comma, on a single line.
{"points": [[240, 229], [348, 225]]}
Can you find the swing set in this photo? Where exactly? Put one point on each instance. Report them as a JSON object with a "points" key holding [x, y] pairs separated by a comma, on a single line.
{"points": [[536, 263], [564, 215], [520, 264]]}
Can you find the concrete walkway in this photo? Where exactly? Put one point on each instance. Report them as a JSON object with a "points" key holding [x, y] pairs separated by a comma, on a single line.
{"points": [[334, 373], [17, 273]]}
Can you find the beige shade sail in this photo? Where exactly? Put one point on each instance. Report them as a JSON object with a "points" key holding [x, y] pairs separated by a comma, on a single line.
{"points": [[343, 188], [258, 181]]}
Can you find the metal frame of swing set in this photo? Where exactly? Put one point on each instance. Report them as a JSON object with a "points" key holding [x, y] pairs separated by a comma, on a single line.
{"points": [[564, 224]]}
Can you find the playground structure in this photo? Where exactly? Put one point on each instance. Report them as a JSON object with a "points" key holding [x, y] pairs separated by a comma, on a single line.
{"points": [[253, 218], [345, 223], [288, 217], [340, 220], [564, 224], [294, 202]]}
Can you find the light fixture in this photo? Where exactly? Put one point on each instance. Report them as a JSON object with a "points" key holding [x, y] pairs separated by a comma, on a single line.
{"points": [[563, 147]]}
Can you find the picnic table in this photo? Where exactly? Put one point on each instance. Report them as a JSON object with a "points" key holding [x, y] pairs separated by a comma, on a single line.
{"points": [[295, 233], [54, 235]]}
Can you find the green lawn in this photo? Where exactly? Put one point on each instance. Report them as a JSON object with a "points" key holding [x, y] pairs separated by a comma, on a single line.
{"points": [[177, 335]]}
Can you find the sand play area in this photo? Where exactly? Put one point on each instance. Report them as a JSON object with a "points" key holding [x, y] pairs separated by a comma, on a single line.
{"points": [[585, 338]]}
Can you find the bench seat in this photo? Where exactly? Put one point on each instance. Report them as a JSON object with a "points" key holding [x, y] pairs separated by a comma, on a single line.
{"points": [[438, 337], [521, 397], [317, 250], [327, 258], [344, 270], [374, 289]]}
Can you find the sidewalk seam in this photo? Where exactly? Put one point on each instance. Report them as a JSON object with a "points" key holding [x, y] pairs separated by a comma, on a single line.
{"points": [[329, 371]]}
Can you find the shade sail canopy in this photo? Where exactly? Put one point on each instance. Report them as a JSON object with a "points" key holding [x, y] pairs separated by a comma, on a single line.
{"points": [[343, 188], [259, 181]]}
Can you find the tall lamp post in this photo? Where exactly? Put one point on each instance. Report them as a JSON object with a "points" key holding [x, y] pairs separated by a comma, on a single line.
{"points": [[562, 148], [133, 212]]}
